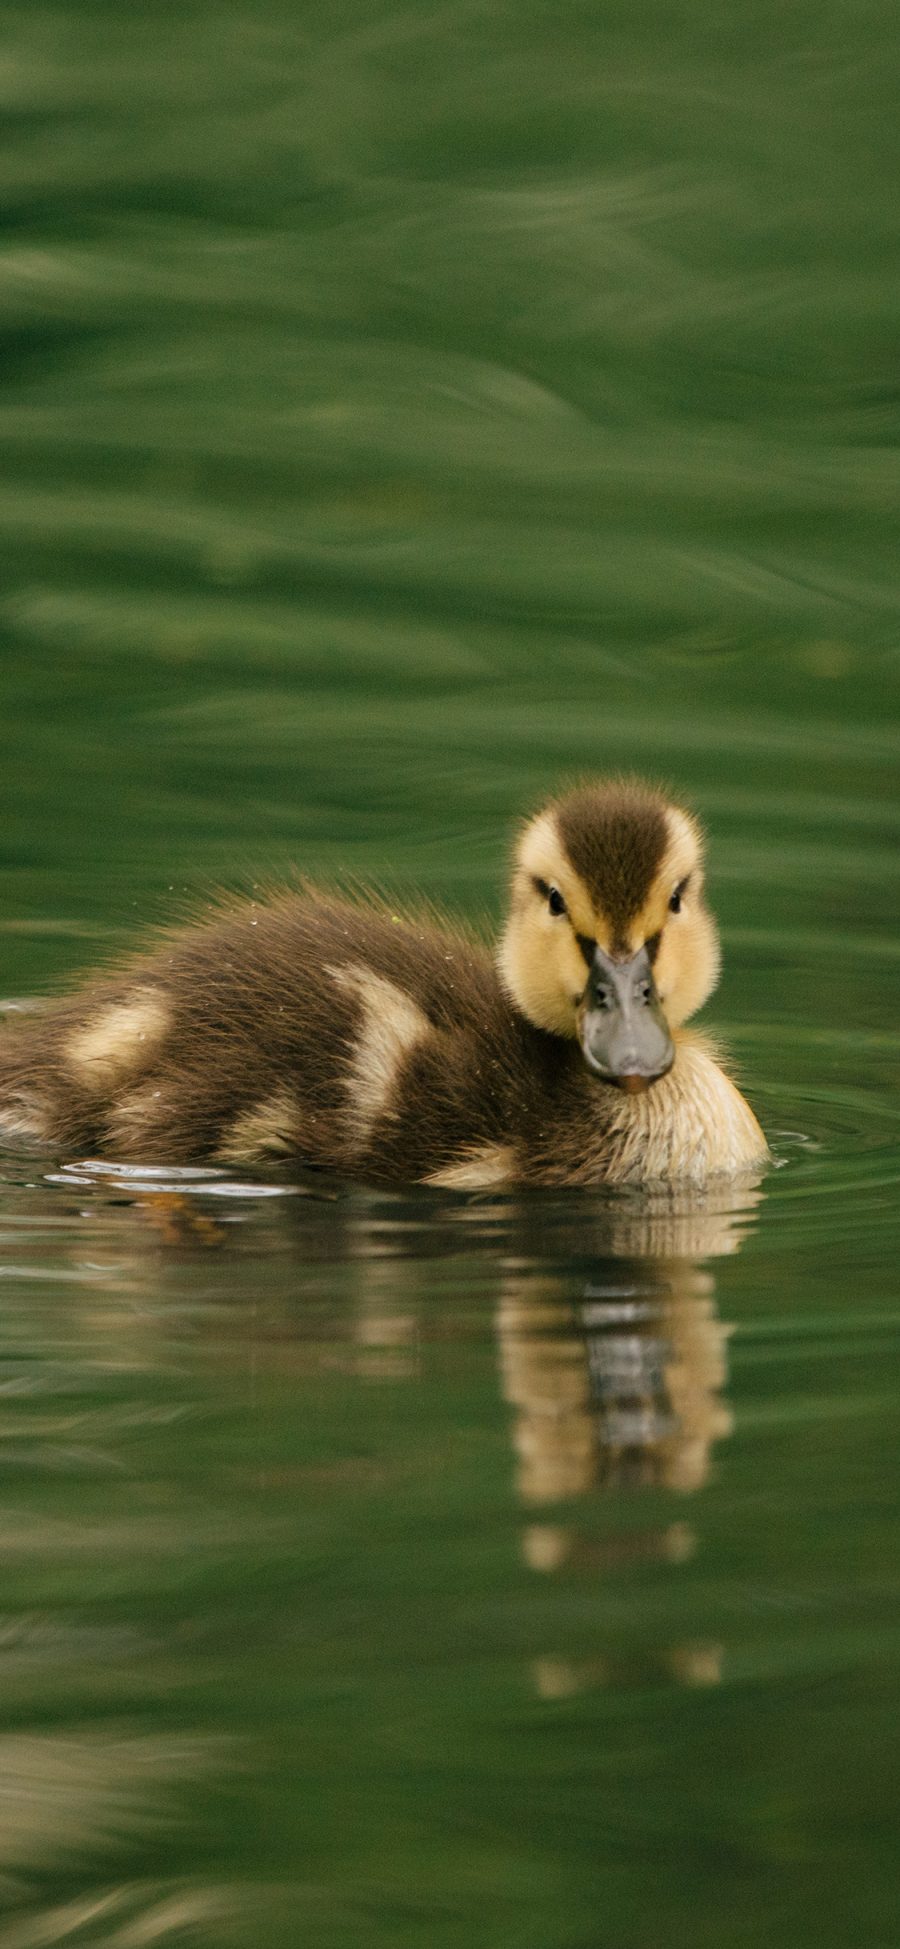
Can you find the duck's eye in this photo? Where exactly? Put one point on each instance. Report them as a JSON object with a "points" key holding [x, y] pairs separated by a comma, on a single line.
{"points": [[552, 896], [677, 897]]}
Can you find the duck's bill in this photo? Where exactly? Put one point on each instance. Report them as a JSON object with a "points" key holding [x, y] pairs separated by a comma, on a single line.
{"points": [[623, 1032]]}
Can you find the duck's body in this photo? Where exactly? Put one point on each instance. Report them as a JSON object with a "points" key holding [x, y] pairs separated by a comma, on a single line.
{"points": [[340, 1035]]}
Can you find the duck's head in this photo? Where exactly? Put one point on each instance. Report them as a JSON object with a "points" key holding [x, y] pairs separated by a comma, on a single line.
{"points": [[608, 937]]}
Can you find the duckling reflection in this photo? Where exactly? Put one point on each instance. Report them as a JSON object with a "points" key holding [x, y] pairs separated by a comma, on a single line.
{"points": [[617, 1385], [623, 1389], [620, 1383]]}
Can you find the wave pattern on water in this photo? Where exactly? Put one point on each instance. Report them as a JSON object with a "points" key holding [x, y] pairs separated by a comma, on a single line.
{"points": [[405, 409]]}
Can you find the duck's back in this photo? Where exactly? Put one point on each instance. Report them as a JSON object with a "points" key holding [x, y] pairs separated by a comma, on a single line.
{"points": [[315, 1029]]}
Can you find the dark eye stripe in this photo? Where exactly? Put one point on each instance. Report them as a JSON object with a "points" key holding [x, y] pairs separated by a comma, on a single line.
{"points": [[652, 946], [587, 946]]}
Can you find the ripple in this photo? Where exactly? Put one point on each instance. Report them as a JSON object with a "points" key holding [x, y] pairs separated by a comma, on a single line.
{"points": [[835, 1122], [183, 1179]]}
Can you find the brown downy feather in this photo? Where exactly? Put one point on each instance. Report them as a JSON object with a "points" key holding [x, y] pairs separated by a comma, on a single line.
{"points": [[268, 1006]]}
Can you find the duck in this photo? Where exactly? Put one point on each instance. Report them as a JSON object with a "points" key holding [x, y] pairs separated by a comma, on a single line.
{"points": [[327, 1030]]}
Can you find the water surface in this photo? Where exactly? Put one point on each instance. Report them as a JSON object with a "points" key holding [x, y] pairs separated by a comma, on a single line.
{"points": [[405, 410]]}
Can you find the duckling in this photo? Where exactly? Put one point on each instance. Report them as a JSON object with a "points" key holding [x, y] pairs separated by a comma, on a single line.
{"points": [[331, 1032]]}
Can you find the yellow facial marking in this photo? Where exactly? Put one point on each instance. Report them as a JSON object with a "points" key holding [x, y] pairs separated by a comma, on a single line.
{"points": [[542, 856], [539, 960], [119, 1042], [392, 1026], [271, 1129], [687, 963], [492, 1164]]}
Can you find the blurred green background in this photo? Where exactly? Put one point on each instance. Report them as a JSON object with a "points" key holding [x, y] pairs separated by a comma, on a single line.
{"points": [[406, 408]]}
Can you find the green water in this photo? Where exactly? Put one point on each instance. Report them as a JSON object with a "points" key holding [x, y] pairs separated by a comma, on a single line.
{"points": [[405, 409]]}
